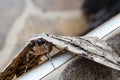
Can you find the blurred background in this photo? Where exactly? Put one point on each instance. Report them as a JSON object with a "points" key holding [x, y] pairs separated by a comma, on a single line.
{"points": [[20, 19]]}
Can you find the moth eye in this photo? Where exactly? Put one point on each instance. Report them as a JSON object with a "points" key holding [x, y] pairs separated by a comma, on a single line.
{"points": [[40, 41], [32, 43]]}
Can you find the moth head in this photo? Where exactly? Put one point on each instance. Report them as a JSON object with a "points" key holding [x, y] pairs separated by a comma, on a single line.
{"points": [[40, 46]]}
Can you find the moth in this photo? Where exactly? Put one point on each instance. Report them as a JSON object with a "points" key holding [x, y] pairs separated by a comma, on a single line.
{"points": [[41, 44]]}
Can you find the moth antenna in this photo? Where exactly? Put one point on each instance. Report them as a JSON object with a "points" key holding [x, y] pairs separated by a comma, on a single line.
{"points": [[49, 58], [57, 48], [61, 50]]}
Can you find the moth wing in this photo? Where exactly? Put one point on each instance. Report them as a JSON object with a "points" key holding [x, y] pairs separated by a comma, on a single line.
{"points": [[18, 65]]}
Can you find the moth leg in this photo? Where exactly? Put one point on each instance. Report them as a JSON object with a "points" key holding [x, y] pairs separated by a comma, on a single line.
{"points": [[58, 48], [26, 67], [49, 58]]}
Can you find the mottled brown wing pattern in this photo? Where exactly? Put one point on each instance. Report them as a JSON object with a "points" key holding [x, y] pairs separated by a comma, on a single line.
{"points": [[10, 71], [29, 57]]}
